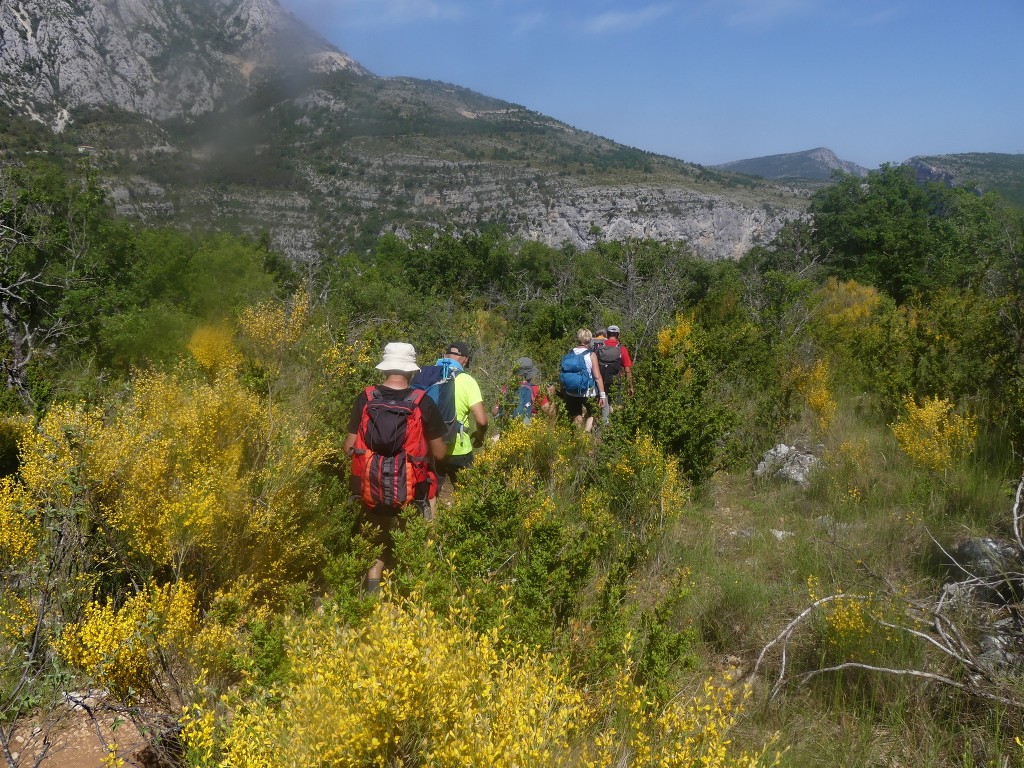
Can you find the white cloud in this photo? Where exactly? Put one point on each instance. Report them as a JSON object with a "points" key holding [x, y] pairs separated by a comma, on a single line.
{"points": [[526, 22], [377, 12], [761, 12], [616, 21]]}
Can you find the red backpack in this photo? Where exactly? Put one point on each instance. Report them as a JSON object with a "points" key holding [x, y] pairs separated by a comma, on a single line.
{"points": [[390, 456]]}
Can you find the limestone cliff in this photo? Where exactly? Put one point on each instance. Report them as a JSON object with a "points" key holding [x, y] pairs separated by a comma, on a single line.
{"points": [[158, 58]]}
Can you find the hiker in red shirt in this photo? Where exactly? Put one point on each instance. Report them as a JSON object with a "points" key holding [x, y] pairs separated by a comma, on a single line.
{"points": [[528, 395], [614, 361], [394, 432]]}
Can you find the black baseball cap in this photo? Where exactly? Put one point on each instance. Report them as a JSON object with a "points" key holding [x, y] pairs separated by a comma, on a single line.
{"points": [[459, 348]]}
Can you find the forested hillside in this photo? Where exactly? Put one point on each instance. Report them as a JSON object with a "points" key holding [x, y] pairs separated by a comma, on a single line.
{"points": [[177, 540]]}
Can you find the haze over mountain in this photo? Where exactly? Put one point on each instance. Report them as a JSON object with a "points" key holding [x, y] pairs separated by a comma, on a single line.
{"points": [[814, 164], [154, 58]]}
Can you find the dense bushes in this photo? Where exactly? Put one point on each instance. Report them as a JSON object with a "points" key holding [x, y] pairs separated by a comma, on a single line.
{"points": [[174, 524]]}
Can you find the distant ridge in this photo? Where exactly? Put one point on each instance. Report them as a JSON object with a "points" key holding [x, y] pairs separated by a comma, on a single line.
{"points": [[982, 171], [812, 165]]}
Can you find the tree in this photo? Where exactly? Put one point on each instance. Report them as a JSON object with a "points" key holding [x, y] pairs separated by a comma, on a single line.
{"points": [[57, 244], [891, 232]]}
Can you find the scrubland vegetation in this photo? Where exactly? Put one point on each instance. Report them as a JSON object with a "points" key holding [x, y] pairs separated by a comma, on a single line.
{"points": [[175, 529]]}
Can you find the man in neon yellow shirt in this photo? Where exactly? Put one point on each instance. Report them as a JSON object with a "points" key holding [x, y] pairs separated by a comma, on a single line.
{"points": [[469, 409]]}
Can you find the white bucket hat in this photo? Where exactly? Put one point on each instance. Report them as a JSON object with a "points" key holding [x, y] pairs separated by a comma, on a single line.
{"points": [[399, 356]]}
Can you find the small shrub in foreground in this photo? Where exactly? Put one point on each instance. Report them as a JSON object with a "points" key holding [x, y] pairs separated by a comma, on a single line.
{"points": [[408, 686]]}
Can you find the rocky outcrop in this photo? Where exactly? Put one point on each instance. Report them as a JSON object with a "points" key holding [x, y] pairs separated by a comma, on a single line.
{"points": [[785, 462], [714, 227], [928, 171], [159, 58]]}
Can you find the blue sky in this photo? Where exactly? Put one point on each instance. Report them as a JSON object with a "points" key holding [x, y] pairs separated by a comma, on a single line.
{"points": [[709, 81]]}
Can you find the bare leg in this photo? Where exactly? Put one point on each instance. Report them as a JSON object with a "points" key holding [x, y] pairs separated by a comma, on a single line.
{"points": [[373, 577]]}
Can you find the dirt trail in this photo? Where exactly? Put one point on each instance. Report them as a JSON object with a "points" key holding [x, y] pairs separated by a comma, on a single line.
{"points": [[77, 744]]}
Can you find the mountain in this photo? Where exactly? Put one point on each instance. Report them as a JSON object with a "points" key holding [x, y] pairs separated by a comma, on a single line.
{"points": [[813, 165], [160, 59], [984, 171], [233, 114]]}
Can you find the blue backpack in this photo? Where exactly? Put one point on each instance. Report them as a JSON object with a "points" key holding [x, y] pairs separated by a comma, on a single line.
{"points": [[574, 374], [438, 381]]}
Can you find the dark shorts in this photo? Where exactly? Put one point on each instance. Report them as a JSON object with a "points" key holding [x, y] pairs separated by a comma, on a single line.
{"points": [[613, 390], [381, 523], [450, 466], [576, 406]]}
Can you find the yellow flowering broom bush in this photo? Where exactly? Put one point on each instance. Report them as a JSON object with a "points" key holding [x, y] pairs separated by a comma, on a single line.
{"points": [[19, 530], [409, 686], [542, 450], [210, 479], [118, 646], [406, 686], [812, 383], [645, 485], [932, 435], [213, 348], [636, 729]]}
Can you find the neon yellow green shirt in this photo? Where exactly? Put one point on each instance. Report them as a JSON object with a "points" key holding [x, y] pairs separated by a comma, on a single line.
{"points": [[467, 394]]}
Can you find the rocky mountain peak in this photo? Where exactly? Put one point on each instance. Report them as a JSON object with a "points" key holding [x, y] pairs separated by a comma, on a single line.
{"points": [[814, 164], [158, 58]]}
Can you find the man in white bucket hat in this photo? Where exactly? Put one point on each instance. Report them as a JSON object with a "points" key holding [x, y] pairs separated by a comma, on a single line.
{"points": [[395, 434]]}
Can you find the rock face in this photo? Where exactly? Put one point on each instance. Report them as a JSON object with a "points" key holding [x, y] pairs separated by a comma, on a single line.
{"points": [[159, 58], [713, 226]]}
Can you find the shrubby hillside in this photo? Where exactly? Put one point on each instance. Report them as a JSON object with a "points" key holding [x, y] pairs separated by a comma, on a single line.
{"points": [[176, 535]]}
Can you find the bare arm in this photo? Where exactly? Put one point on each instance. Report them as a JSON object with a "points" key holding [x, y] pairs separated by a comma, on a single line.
{"points": [[595, 368], [350, 444], [437, 448], [480, 417]]}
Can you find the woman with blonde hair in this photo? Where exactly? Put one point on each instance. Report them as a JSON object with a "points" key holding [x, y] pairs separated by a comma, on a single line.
{"points": [[580, 376]]}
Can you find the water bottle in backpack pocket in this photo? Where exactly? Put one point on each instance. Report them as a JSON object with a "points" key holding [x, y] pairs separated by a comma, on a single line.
{"points": [[574, 374]]}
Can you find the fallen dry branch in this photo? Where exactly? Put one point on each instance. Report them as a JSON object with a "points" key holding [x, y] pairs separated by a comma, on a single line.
{"points": [[950, 627]]}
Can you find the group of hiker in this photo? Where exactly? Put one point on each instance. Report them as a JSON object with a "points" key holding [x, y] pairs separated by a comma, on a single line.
{"points": [[590, 371], [419, 427]]}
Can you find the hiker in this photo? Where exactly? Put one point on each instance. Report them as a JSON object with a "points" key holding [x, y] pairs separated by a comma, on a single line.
{"points": [[469, 406], [580, 376], [393, 433], [528, 397], [597, 344], [614, 360]]}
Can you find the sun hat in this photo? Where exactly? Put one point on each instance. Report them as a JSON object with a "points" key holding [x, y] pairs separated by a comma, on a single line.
{"points": [[527, 369], [399, 356], [613, 329]]}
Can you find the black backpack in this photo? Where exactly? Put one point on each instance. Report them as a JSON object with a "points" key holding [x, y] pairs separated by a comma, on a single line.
{"points": [[390, 452], [609, 358]]}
